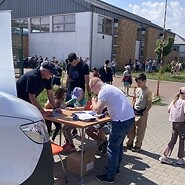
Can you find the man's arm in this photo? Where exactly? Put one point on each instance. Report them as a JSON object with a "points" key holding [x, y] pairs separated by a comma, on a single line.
{"points": [[34, 101], [97, 106]]}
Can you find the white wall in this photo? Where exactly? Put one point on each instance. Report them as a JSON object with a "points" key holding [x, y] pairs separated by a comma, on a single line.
{"points": [[102, 48], [60, 44], [182, 51]]}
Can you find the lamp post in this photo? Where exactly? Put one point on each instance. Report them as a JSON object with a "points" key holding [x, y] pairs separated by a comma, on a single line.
{"points": [[161, 57]]}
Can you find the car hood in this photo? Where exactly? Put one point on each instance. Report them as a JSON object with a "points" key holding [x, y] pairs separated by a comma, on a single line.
{"points": [[12, 106]]}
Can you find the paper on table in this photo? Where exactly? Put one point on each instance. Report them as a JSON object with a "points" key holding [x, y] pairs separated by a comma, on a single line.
{"points": [[84, 116]]}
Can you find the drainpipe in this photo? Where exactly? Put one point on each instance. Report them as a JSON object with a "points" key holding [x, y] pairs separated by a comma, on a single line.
{"points": [[91, 36]]}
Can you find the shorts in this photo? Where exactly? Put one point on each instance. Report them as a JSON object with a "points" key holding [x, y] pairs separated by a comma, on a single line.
{"points": [[105, 128]]}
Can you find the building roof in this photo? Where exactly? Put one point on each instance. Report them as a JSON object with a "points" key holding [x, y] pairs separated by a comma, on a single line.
{"points": [[33, 8], [179, 40], [121, 13]]}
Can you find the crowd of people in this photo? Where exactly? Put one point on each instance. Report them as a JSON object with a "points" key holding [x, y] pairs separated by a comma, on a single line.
{"points": [[128, 121]]}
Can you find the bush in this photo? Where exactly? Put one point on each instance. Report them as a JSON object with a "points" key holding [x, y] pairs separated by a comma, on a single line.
{"points": [[167, 68]]}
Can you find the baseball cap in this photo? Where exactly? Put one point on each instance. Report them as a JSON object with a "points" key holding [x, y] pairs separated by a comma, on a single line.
{"points": [[127, 67], [72, 56], [77, 91], [50, 66], [182, 90]]}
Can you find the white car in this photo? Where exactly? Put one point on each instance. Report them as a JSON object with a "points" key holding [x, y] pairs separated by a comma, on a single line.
{"points": [[25, 155]]}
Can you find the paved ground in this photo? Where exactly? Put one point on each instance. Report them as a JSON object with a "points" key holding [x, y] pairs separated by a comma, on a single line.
{"points": [[141, 168]]}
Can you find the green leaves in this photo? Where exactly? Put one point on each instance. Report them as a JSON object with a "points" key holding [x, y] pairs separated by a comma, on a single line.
{"points": [[164, 45]]}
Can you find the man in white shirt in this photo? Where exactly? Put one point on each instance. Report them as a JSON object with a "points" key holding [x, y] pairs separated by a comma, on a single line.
{"points": [[122, 119]]}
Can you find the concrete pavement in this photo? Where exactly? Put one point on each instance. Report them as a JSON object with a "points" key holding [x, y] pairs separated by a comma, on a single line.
{"points": [[142, 168]]}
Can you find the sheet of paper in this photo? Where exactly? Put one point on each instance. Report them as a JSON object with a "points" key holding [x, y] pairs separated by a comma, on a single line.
{"points": [[84, 116]]}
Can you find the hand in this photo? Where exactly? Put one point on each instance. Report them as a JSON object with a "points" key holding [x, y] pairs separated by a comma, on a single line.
{"points": [[70, 108], [46, 113], [58, 110], [94, 99]]}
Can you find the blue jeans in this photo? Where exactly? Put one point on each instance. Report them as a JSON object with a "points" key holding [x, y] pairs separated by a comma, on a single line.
{"points": [[115, 145]]}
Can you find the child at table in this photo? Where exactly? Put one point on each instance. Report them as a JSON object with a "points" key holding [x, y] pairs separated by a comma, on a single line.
{"points": [[60, 96], [79, 102]]}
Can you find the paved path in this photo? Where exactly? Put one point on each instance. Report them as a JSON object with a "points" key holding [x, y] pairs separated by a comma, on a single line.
{"points": [[142, 168]]}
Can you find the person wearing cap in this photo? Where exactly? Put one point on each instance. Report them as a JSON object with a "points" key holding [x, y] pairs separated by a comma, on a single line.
{"points": [[79, 103], [176, 111], [122, 119], [77, 75], [127, 79], [32, 83]]}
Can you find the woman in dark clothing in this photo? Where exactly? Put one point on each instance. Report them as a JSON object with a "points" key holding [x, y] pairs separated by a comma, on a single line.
{"points": [[105, 73]]}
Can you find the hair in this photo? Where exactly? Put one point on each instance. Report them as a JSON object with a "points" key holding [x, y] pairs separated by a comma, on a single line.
{"points": [[141, 77], [107, 62], [59, 93], [176, 98]]}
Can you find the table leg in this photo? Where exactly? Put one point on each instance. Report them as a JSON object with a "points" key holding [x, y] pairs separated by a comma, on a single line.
{"points": [[82, 155], [60, 142]]}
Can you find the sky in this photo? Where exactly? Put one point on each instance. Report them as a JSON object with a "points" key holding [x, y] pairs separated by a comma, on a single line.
{"points": [[154, 10]]}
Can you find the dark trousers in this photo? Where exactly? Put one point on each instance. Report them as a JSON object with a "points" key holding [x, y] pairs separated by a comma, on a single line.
{"points": [[57, 128]]}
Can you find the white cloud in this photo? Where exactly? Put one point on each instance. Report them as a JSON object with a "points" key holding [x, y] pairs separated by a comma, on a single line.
{"points": [[154, 11]]}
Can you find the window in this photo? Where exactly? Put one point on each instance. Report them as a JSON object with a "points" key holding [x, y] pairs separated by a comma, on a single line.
{"points": [[63, 23], [39, 24], [104, 25], [176, 48], [115, 41], [114, 49], [20, 23]]}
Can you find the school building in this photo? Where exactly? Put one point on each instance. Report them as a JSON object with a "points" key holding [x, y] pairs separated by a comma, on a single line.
{"points": [[91, 28]]}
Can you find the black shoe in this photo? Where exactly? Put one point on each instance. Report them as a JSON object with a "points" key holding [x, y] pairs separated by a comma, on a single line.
{"points": [[103, 147], [136, 149], [104, 178], [74, 133], [117, 171], [129, 147]]}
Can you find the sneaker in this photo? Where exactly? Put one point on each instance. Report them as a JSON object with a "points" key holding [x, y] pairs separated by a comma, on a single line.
{"points": [[180, 161], [117, 171], [165, 160], [136, 149], [104, 178], [69, 148], [129, 147]]}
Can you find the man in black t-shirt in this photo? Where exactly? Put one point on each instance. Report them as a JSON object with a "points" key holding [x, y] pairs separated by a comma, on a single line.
{"points": [[77, 75], [32, 83]]}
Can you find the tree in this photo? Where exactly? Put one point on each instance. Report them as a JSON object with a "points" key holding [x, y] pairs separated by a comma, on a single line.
{"points": [[165, 46]]}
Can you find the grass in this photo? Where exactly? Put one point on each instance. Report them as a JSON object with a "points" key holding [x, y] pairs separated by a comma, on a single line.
{"points": [[166, 76], [42, 98]]}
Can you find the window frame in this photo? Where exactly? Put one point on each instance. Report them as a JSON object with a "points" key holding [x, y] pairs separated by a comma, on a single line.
{"points": [[41, 24], [105, 28], [64, 23]]}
